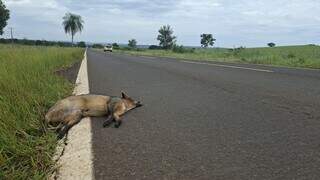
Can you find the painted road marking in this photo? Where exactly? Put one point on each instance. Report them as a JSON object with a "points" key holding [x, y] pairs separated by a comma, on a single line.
{"points": [[229, 66], [149, 57], [76, 161]]}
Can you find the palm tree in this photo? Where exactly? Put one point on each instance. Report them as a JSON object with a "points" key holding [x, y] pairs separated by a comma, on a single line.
{"points": [[72, 24]]}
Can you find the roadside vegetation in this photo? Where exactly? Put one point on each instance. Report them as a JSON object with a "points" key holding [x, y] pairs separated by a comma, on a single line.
{"points": [[31, 42], [307, 56], [28, 87]]}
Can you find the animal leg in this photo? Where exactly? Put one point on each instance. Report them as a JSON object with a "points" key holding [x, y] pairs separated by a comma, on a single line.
{"points": [[118, 120], [70, 120], [109, 120], [117, 112], [59, 127], [56, 128]]}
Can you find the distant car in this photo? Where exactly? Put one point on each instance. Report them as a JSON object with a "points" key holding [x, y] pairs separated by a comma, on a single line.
{"points": [[108, 48]]}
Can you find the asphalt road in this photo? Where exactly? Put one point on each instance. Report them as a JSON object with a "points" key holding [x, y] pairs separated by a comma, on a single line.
{"points": [[207, 121]]}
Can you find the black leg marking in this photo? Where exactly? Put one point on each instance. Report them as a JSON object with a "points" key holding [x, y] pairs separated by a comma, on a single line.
{"points": [[63, 131], [59, 127], [117, 124], [108, 121]]}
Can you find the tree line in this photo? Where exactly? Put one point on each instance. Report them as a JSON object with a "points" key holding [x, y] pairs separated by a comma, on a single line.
{"points": [[168, 41], [41, 42]]}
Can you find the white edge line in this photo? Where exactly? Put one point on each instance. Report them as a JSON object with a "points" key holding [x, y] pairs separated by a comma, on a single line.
{"points": [[229, 66], [76, 161]]}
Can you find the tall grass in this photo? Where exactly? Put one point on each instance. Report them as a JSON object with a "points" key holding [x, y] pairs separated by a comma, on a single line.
{"points": [[292, 56], [28, 87]]}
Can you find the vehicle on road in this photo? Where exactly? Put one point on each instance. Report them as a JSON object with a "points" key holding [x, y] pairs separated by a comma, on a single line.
{"points": [[108, 48]]}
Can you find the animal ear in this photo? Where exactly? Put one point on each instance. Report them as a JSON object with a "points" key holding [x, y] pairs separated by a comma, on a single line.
{"points": [[124, 96]]}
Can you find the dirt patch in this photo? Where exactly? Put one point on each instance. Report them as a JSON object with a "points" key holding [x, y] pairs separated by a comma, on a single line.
{"points": [[69, 73]]}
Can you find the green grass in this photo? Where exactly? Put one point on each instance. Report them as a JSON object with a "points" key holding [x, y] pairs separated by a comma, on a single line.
{"points": [[307, 56], [28, 87]]}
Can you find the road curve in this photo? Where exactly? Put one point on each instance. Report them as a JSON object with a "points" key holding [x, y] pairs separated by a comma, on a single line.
{"points": [[203, 121]]}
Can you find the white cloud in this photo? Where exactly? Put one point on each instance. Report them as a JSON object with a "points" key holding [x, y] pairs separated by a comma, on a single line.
{"points": [[46, 10], [241, 22]]}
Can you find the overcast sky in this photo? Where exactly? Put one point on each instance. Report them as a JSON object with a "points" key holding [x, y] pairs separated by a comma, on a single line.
{"points": [[232, 22]]}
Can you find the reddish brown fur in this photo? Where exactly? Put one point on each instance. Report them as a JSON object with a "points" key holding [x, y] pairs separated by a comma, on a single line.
{"points": [[70, 110]]}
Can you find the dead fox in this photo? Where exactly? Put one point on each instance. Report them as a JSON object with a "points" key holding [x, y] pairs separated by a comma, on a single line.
{"points": [[69, 111]]}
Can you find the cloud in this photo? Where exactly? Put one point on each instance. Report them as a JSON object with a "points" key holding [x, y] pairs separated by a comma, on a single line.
{"points": [[242, 22], [39, 10]]}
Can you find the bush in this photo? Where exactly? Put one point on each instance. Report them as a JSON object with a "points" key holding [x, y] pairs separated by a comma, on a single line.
{"points": [[291, 55], [237, 51], [271, 44], [115, 46], [181, 49], [243, 59], [81, 44], [99, 46], [35, 42], [126, 48], [64, 44], [155, 47], [301, 61]]}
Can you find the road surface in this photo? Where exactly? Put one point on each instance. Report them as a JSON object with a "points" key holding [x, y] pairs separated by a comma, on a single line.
{"points": [[206, 121]]}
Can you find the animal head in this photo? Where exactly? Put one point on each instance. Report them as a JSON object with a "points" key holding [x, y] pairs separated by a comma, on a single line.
{"points": [[131, 103]]}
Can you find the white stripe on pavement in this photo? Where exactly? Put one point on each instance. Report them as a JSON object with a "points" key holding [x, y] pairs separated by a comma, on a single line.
{"points": [[76, 161], [229, 66]]}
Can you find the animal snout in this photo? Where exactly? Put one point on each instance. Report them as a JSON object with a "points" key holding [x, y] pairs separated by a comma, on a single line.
{"points": [[139, 104]]}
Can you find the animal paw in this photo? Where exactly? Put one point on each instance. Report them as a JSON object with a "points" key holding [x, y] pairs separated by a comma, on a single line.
{"points": [[60, 136], [117, 124], [106, 123]]}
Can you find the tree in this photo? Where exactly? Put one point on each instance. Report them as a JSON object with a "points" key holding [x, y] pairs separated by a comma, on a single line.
{"points": [[115, 45], [271, 44], [72, 24], [99, 46], [206, 40], [166, 38], [82, 44], [4, 16], [132, 43], [38, 43]]}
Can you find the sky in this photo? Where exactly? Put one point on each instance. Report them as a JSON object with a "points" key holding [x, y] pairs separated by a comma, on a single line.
{"points": [[233, 23]]}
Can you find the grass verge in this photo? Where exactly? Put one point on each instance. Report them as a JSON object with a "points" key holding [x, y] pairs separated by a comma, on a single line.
{"points": [[307, 56], [28, 87]]}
